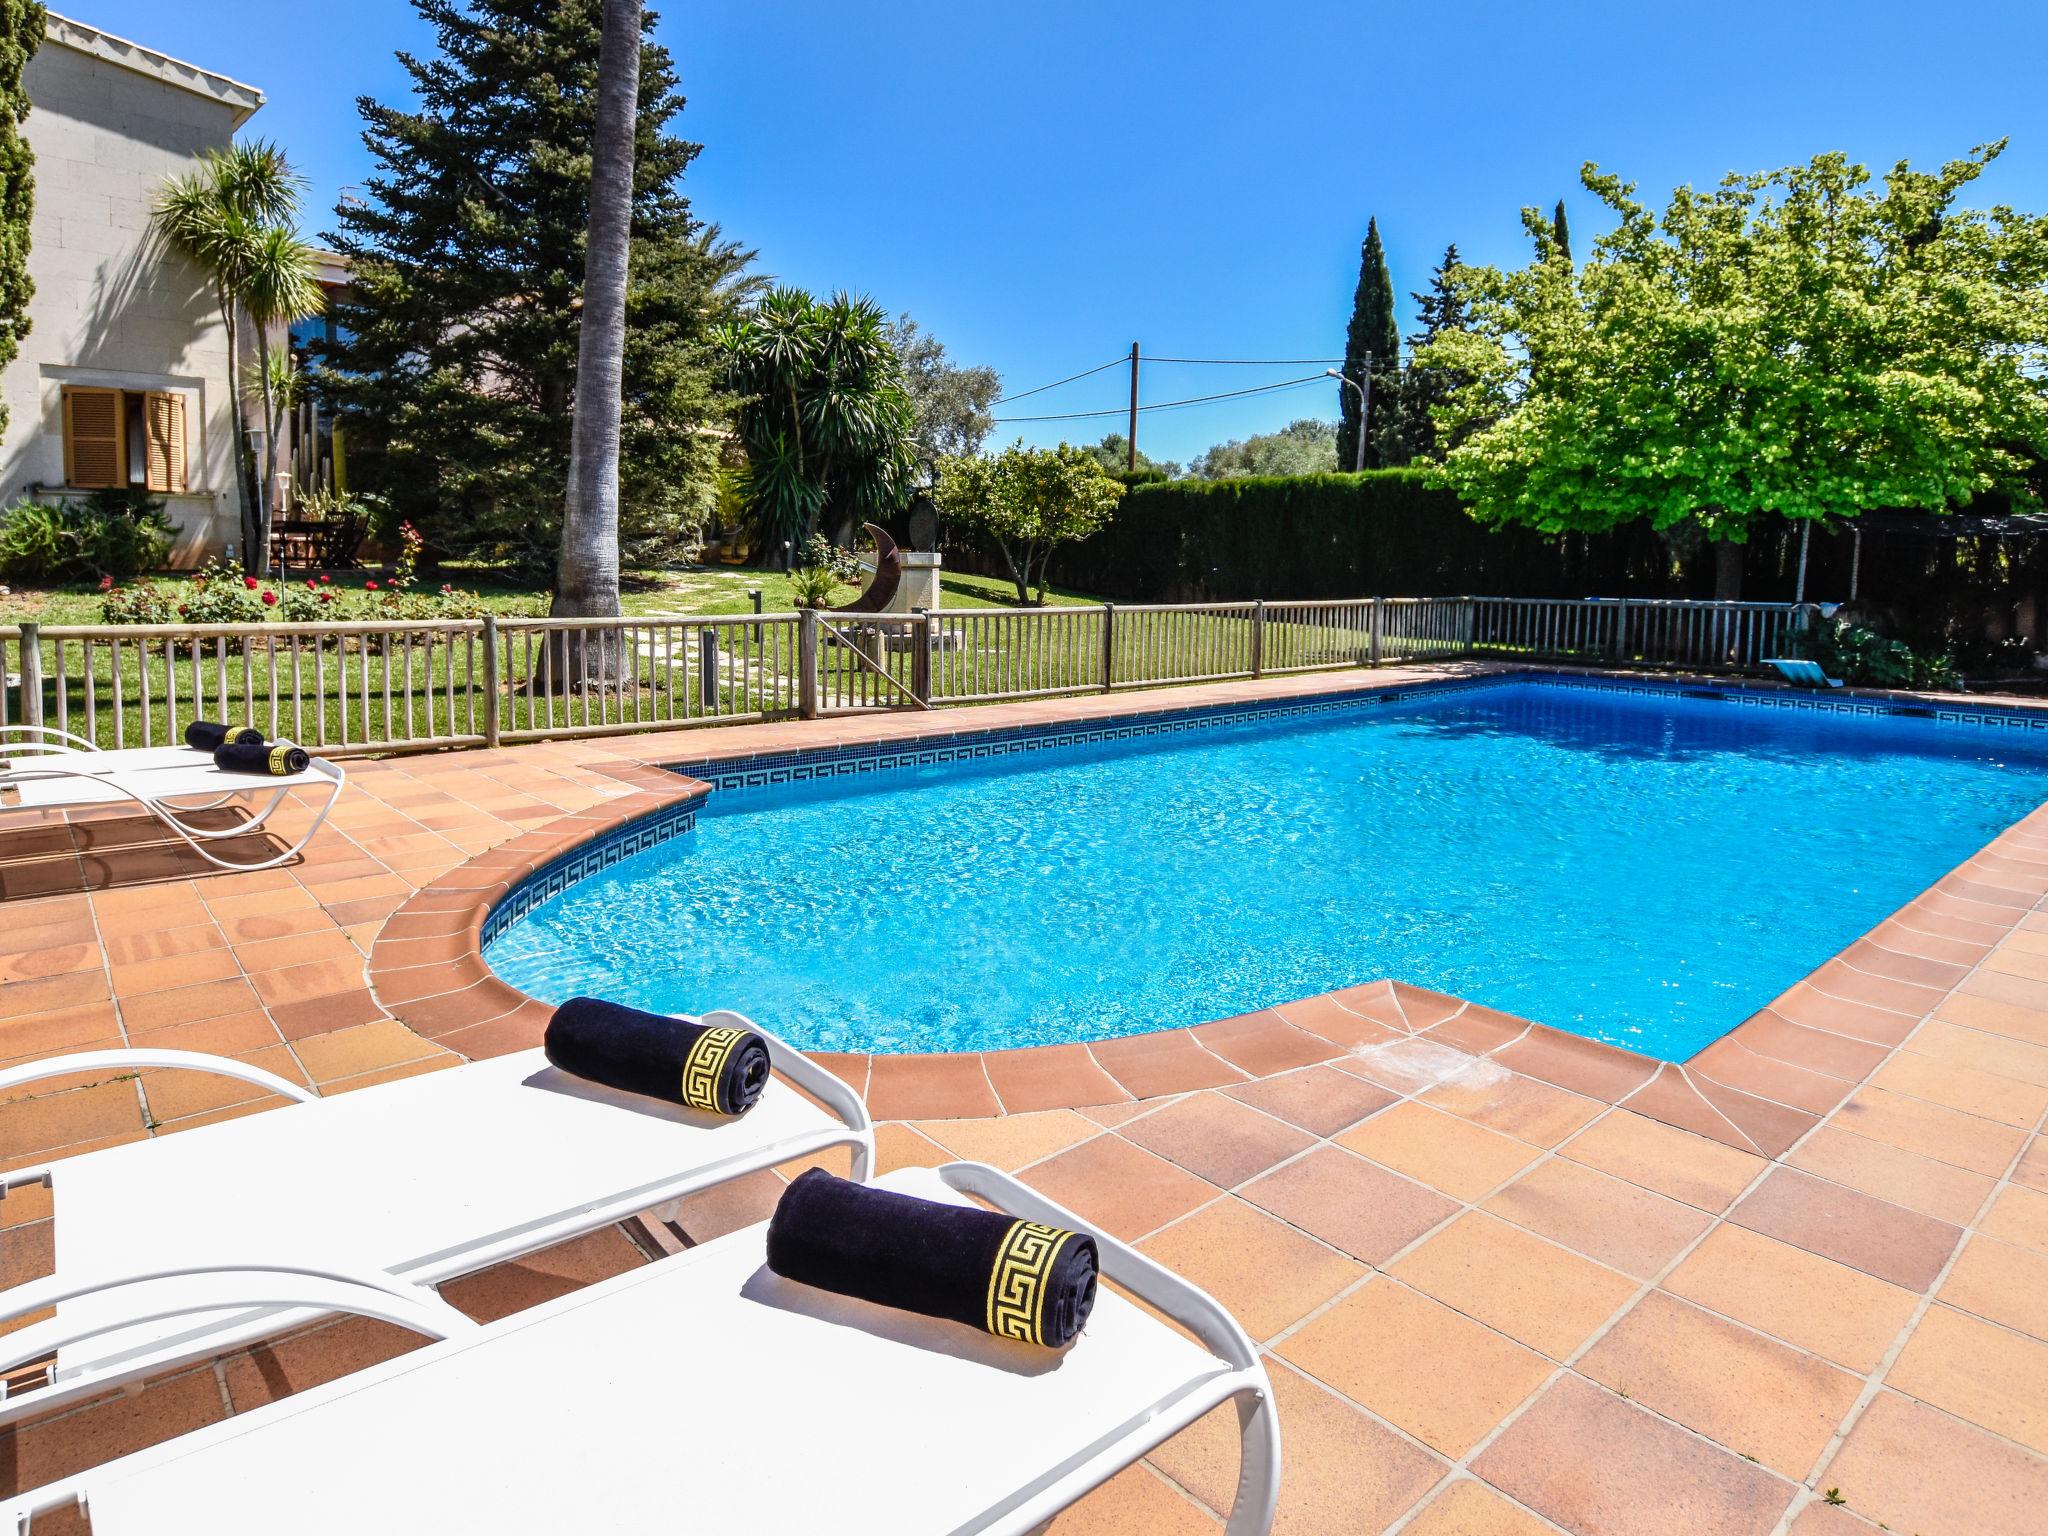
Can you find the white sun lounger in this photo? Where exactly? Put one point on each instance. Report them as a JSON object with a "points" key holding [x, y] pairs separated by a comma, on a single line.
{"points": [[1807, 674], [422, 1179], [703, 1393], [53, 771]]}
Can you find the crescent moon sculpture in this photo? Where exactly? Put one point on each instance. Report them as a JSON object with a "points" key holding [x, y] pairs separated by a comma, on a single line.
{"points": [[888, 575]]}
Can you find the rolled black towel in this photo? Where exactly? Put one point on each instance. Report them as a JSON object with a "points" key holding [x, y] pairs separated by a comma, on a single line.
{"points": [[208, 735], [1014, 1279], [260, 756], [716, 1068]]}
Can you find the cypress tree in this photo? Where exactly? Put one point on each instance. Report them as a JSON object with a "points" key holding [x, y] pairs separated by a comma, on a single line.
{"points": [[1561, 231], [454, 366], [1374, 333], [21, 33]]}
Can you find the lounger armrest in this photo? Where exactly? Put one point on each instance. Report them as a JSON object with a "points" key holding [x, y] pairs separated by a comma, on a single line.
{"points": [[1258, 1478], [1151, 1282], [137, 1060], [47, 737], [821, 1085], [321, 1288]]}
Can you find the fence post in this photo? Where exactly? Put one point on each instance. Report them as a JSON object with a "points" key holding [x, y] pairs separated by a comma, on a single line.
{"points": [[31, 674], [1259, 638], [1108, 646], [923, 636], [707, 669], [491, 693], [1621, 629], [1378, 607], [1468, 625], [807, 663]]}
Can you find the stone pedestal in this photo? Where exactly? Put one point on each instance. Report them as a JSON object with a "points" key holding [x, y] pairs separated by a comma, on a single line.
{"points": [[919, 587]]}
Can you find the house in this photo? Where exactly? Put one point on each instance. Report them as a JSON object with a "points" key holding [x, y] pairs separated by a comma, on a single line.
{"points": [[123, 378]]}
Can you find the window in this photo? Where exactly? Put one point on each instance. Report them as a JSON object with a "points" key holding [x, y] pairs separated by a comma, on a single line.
{"points": [[117, 438]]}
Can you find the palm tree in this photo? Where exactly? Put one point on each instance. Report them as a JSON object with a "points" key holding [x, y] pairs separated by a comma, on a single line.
{"points": [[587, 576], [233, 219]]}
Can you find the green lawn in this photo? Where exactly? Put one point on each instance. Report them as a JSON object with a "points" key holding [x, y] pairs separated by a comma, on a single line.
{"points": [[691, 590]]}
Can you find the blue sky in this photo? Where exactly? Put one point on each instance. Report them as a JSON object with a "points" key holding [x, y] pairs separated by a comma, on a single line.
{"points": [[1043, 184]]}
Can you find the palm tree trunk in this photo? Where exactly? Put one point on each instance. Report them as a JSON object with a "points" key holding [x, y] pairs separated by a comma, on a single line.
{"points": [[587, 577], [231, 317], [260, 560]]}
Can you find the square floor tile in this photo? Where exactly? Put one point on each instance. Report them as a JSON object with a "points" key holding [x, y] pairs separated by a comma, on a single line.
{"points": [[1461, 1159], [1117, 1187], [1660, 1157], [1750, 1393], [1597, 1465], [1469, 1508], [1350, 1203], [1321, 1100], [1540, 1294], [1514, 1105], [1999, 1281], [1623, 1227], [1835, 1311], [1920, 1471], [1850, 1227], [1218, 1138], [1977, 1371], [1417, 1364], [1266, 1274]]}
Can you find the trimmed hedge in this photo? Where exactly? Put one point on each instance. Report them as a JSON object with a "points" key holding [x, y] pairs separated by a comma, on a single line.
{"points": [[1316, 536]]}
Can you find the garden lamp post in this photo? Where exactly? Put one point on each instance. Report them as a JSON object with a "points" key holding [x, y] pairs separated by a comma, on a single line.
{"points": [[1364, 407]]}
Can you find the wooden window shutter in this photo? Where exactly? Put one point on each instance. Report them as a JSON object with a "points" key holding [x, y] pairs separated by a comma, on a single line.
{"points": [[163, 454], [95, 444]]}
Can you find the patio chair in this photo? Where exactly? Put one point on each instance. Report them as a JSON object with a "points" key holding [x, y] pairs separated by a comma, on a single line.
{"points": [[52, 770], [1804, 673], [406, 1184], [705, 1393]]}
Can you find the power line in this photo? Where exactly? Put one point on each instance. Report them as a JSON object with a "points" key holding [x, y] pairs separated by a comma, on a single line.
{"points": [[1056, 383], [1168, 405], [1251, 362]]}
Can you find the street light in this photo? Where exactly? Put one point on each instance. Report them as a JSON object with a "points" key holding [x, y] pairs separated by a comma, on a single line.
{"points": [[1364, 407]]}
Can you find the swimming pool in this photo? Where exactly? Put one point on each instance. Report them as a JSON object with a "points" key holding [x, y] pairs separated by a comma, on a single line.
{"points": [[1643, 865]]}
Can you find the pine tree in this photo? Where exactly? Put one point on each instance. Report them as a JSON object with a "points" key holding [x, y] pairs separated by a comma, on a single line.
{"points": [[455, 363], [1442, 308], [21, 33], [1561, 231], [1375, 334]]}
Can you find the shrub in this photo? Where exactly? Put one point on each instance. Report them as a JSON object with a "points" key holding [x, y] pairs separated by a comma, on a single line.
{"points": [[812, 586], [221, 593], [1848, 650], [114, 534], [143, 603]]}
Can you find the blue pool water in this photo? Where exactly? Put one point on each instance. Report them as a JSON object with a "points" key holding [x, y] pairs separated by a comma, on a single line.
{"points": [[1644, 869]]}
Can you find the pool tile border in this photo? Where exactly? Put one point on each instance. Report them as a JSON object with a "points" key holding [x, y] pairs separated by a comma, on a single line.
{"points": [[1758, 1088]]}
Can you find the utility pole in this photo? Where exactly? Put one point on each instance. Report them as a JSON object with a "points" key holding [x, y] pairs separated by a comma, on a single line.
{"points": [[1131, 457], [1364, 410]]}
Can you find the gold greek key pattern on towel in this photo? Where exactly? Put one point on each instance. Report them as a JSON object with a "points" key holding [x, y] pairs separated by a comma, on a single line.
{"points": [[280, 760], [705, 1064], [1017, 1283]]}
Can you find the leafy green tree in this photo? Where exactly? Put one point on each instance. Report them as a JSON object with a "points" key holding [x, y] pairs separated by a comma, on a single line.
{"points": [[21, 33], [1795, 343], [1306, 447], [1561, 231], [1373, 335], [1028, 501], [1113, 453], [825, 419], [235, 219], [455, 372], [951, 403]]}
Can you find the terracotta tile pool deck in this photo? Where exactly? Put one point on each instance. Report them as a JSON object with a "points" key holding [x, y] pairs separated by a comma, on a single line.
{"points": [[1508, 1280]]}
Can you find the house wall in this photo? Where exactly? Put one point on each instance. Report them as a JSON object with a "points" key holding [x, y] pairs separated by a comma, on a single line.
{"points": [[110, 308]]}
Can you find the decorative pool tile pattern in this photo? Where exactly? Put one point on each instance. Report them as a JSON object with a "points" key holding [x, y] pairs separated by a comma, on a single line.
{"points": [[1702, 1298]]}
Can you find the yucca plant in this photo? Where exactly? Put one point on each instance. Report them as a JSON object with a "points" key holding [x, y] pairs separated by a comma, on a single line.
{"points": [[826, 422]]}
